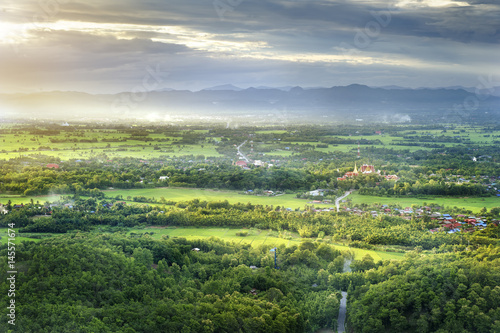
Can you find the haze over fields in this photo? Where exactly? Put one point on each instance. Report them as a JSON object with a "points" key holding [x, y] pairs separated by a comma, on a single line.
{"points": [[354, 103]]}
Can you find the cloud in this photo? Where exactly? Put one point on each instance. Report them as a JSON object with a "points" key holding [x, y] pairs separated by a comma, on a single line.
{"points": [[95, 46]]}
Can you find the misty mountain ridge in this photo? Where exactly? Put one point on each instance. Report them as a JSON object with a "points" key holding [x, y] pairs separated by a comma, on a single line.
{"points": [[346, 103]]}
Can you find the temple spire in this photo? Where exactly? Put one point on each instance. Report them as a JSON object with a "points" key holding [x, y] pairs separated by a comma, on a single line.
{"points": [[355, 168]]}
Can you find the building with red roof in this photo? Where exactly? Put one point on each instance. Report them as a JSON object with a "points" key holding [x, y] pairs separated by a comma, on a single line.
{"points": [[241, 164]]}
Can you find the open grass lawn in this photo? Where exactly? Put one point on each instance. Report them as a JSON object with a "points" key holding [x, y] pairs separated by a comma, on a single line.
{"points": [[18, 199], [285, 200], [184, 194], [473, 204], [4, 237], [256, 237]]}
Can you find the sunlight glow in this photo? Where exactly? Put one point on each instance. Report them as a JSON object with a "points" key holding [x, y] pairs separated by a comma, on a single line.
{"points": [[11, 33], [431, 3]]}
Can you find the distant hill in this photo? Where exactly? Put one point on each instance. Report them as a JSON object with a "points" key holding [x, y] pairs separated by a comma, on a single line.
{"points": [[225, 87], [343, 103]]}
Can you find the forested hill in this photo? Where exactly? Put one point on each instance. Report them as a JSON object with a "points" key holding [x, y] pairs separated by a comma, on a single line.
{"points": [[112, 283]]}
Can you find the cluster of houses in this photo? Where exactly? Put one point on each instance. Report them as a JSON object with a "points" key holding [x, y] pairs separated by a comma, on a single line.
{"points": [[447, 222], [461, 223], [245, 165]]}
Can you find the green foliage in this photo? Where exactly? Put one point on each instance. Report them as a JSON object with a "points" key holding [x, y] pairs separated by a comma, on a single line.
{"points": [[443, 293], [108, 283]]}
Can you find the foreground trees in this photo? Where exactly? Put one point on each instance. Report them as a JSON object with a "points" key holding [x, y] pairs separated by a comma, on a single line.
{"points": [[89, 283], [445, 293]]}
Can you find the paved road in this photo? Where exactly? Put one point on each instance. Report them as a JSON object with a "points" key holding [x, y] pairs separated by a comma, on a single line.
{"points": [[337, 201], [240, 153], [342, 313]]}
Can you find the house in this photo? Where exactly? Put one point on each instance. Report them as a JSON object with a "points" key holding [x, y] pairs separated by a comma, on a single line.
{"points": [[317, 192], [241, 164], [52, 166], [163, 178], [3, 210], [195, 249]]}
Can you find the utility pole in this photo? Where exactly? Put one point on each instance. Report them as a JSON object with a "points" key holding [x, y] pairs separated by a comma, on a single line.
{"points": [[275, 250]]}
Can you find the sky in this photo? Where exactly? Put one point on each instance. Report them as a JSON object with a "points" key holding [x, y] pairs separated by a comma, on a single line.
{"points": [[122, 45]]}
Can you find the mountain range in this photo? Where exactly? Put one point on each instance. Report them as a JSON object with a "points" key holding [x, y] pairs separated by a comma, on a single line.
{"points": [[350, 103]]}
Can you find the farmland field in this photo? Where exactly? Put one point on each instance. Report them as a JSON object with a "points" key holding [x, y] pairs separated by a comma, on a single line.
{"points": [[184, 194], [256, 237], [290, 201], [4, 237], [82, 142], [19, 199], [473, 204], [285, 200]]}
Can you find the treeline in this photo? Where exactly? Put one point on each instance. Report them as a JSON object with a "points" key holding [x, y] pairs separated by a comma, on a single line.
{"points": [[40, 180], [425, 187], [364, 230]]}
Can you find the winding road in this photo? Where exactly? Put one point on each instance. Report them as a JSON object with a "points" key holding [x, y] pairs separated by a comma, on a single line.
{"points": [[337, 201], [343, 303], [342, 313], [240, 153]]}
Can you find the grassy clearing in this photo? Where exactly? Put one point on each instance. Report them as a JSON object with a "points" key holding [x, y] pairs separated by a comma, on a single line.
{"points": [[184, 194], [256, 237], [4, 237], [19, 199], [285, 200], [473, 204]]}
